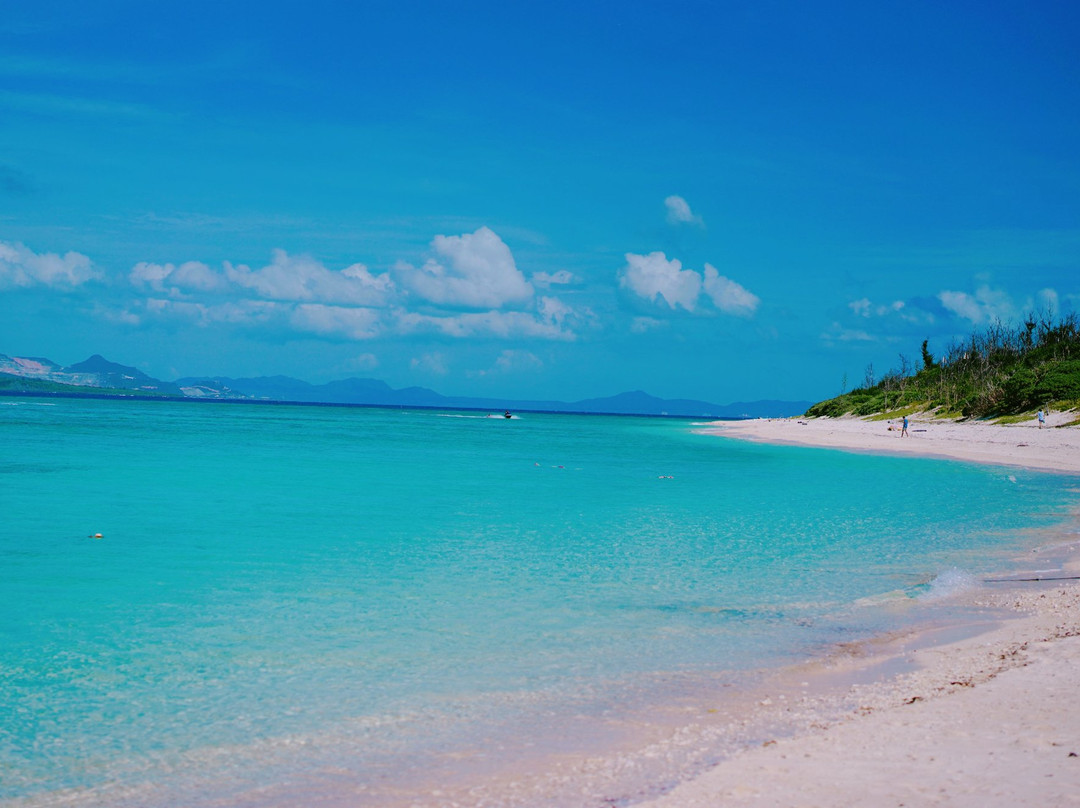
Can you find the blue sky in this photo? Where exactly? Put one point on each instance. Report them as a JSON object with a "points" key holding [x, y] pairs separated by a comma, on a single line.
{"points": [[721, 201]]}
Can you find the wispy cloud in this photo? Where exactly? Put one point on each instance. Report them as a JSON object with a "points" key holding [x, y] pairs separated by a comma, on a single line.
{"points": [[346, 321], [678, 212], [433, 363], [488, 323], [985, 305], [545, 280], [510, 361]]}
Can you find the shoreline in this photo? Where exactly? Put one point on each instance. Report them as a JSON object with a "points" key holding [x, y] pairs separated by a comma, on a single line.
{"points": [[970, 702], [990, 719], [1055, 448]]}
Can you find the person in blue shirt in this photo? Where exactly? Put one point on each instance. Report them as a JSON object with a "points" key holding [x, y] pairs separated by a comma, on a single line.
{"points": [[903, 432]]}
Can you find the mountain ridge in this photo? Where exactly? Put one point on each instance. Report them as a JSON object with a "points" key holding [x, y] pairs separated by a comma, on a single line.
{"points": [[100, 375]]}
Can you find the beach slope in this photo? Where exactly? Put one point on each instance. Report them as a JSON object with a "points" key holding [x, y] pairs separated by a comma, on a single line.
{"points": [[991, 720]]}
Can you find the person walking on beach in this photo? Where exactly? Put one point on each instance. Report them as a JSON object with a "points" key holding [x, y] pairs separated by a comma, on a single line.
{"points": [[1042, 419], [903, 432]]}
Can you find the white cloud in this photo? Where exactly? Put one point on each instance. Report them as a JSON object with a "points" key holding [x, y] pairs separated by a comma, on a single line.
{"points": [[642, 325], [240, 312], [837, 333], [861, 307], [546, 280], [653, 275], [474, 270], [486, 323], [986, 305], [353, 323], [864, 307], [727, 295], [303, 279], [21, 266], [303, 295], [678, 211], [189, 276], [509, 361]]}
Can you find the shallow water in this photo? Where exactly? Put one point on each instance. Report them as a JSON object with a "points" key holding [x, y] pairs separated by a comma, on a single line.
{"points": [[344, 597]]}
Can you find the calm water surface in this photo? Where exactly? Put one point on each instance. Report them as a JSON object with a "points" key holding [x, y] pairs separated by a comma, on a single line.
{"points": [[347, 592]]}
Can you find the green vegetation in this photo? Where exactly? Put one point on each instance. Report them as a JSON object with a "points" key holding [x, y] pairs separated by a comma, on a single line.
{"points": [[11, 384], [1000, 371]]}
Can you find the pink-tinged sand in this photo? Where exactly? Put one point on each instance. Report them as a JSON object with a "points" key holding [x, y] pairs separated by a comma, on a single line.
{"points": [[991, 721]]}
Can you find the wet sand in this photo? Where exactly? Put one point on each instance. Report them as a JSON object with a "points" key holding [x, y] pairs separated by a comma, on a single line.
{"points": [[989, 720]]}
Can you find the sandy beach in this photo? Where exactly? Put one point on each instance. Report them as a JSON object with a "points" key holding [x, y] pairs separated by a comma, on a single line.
{"points": [[989, 720], [1024, 445]]}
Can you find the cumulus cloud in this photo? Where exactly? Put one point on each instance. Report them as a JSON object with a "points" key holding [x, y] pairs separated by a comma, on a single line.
{"points": [[302, 278], [22, 267], [191, 276], [653, 276], [727, 295], [664, 281], [678, 211], [474, 270]]}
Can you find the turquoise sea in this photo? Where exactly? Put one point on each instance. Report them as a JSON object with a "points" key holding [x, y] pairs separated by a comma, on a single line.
{"points": [[347, 606]]}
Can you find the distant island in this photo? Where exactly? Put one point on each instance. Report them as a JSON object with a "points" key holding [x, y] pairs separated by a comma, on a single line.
{"points": [[98, 376], [1000, 371]]}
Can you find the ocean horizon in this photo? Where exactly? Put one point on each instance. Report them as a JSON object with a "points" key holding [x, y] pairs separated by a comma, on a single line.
{"points": [[233, 605]]}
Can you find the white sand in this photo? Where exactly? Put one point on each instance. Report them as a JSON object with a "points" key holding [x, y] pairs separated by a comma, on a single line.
{"points": [[1049, 449], [990, 721], [993, 720]]}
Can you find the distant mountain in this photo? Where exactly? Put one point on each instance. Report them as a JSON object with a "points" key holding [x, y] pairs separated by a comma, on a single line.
{"points": [[98, 372], [121, 377]]}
